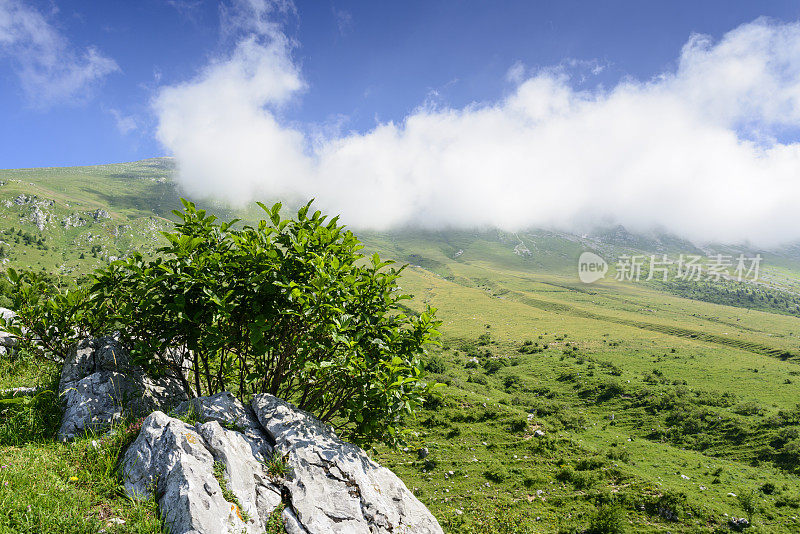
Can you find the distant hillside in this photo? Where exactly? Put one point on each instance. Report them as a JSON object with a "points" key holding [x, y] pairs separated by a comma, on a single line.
{"points": [[666, 398]]}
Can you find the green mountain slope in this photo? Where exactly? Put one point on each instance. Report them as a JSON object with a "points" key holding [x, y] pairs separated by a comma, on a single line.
{"points": [[664, 398]]}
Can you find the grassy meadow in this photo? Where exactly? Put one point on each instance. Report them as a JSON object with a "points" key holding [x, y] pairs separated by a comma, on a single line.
{"points": [[610, 407]]}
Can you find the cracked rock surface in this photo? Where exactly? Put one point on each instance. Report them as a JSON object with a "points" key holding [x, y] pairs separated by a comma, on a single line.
{"points": [[171, 459], [332, 486], [8, 342], [335, 487], [98, 384], [227, 409]]}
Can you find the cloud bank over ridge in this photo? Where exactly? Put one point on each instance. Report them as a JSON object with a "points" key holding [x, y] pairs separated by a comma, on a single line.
{"points": [[701, 150]]}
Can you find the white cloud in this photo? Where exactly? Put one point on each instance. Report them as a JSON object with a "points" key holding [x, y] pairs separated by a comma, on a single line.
{"points": [[696, 150], [125, 123], [48, 67], [186, 8], [516, 73], [344, 20]]}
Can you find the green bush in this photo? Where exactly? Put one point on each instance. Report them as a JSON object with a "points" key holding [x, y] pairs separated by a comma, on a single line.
{"points": [[496, 473], [518, 424], [478, 379], [50, 318], [285, 307], [511, 382], [436, 364], [493, 365], [608, 519], [749, 503]]}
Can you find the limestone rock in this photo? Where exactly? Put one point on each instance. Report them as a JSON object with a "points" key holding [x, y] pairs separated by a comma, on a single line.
{"points": [[99, 386], [170, 458], [246, 477], [8, 342], [334, 486], [227, 409]]}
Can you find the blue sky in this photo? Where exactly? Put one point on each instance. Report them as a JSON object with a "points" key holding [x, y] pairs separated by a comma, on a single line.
{"points": [[362, 62], [682, 116]]}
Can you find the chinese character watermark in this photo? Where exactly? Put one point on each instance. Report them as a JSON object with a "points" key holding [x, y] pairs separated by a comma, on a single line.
{"points": [[660, 267]]}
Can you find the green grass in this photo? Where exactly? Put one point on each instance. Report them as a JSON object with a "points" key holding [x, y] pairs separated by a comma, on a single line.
{"points": [[656, 402], [599, 364], [47, 486], [227, 494]]}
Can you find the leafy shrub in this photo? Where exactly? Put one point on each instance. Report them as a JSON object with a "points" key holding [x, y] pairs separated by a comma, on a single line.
{"points": [[579, 479], [749, 408], [618, 454], [569, 375], [747, 500], [589, 464], [453, 433], [791, 501], [767, 488], [478, 379], [436, 364], [284, 307], [496, 473], [608, 519], [565, 474], [429, 464], [511, 382], [529, 347], [50, 319], [518, 424], [493, 365], [490, 413], [572, 421], [433, 400]]}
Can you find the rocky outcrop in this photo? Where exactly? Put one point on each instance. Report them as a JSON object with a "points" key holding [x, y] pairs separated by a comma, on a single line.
{"points": [[336, 487], [39, 218], [100, 214], [8, 342], [330, 486], [227, 409], [73, 220], [237, 467], [173, 460], [99, 385]]}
